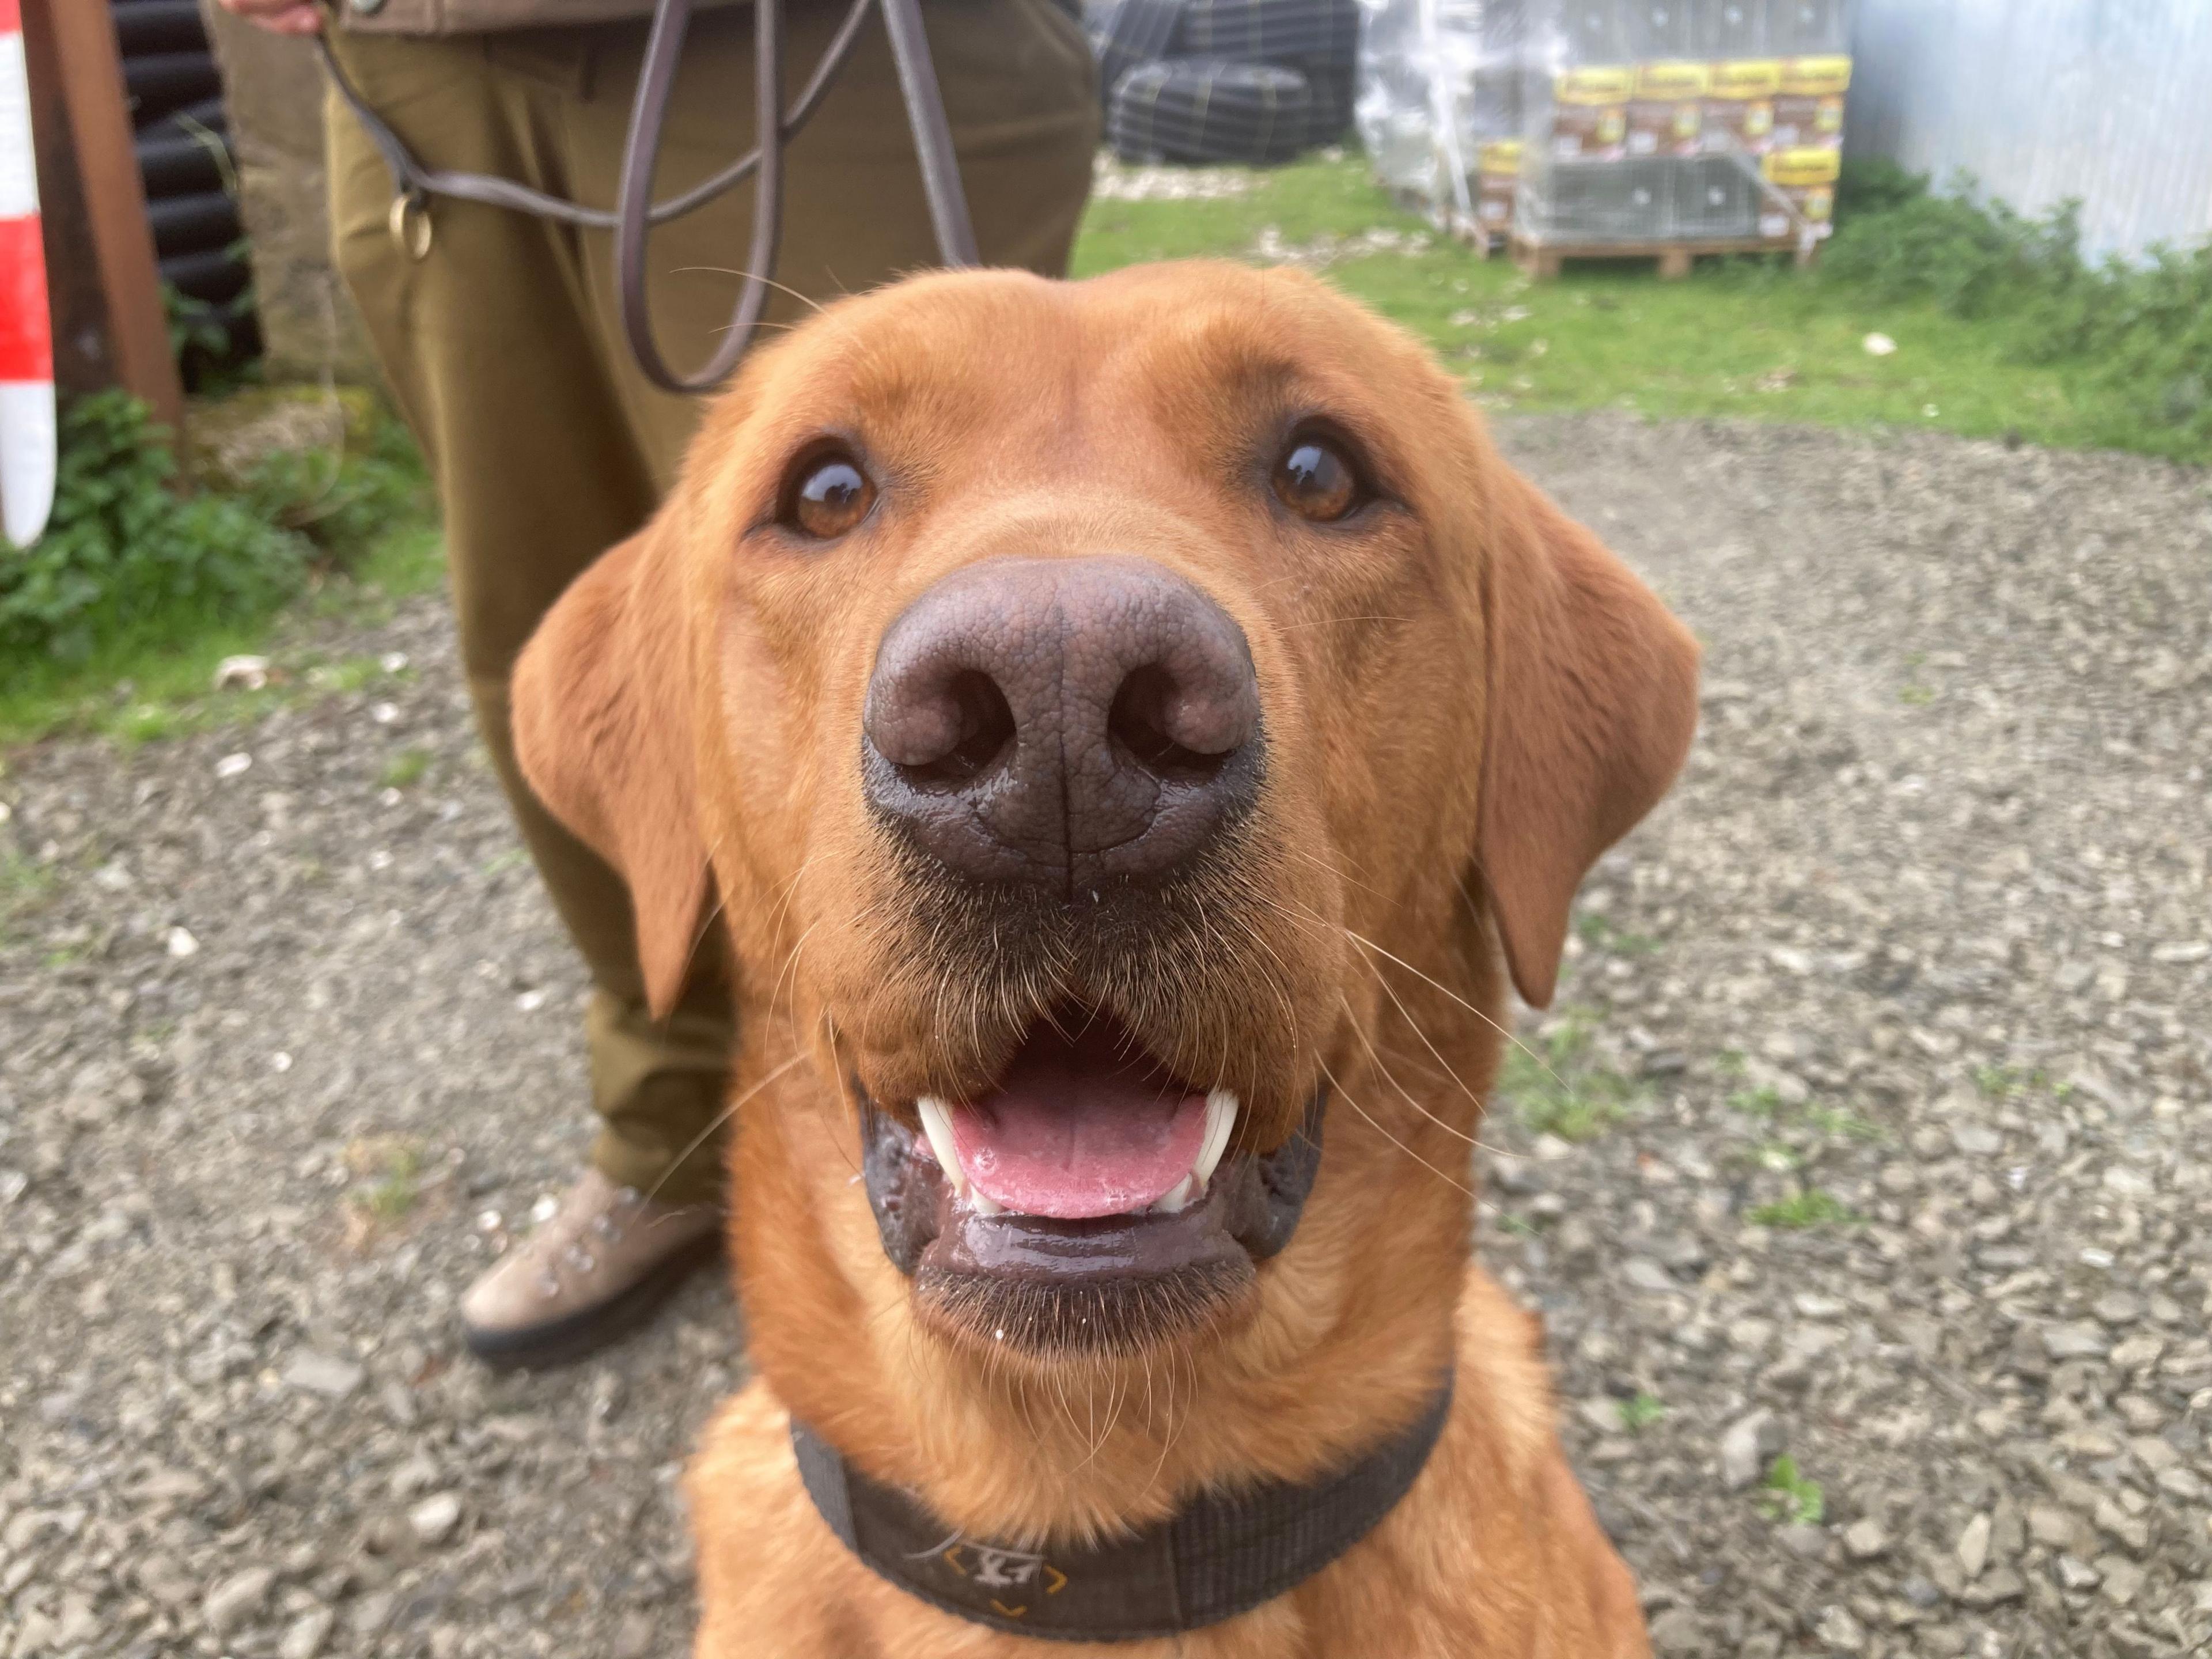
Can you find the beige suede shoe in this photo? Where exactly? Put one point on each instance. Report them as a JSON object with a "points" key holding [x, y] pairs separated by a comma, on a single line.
{"points": [[599, 1267]]}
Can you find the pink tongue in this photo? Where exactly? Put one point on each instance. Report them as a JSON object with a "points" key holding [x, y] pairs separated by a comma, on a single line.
{"points": [[1079, 1129]]}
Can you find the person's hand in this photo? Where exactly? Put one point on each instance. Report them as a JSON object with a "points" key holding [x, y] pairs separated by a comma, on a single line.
{"points": [[277, 16]]}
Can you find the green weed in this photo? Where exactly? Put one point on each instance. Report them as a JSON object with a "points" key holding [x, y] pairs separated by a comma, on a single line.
{"points": [[1640, 1413], [389, 1167], [1603, 933], [1811, 1207], [1556, 1088], [404, 769], [143, 587], [1791, 1497]]}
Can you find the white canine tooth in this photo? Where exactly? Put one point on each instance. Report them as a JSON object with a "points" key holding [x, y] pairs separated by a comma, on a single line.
{"points": [[983, 1203], [937, 1124], [1220, 1122], [1177, 1197]]}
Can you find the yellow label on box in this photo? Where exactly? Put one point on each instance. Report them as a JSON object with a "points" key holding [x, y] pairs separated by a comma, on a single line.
{"points": [[1500, 159], [1816, 77], [1671, 80], [1601, 85], [1803, 166], [1747, 77]]}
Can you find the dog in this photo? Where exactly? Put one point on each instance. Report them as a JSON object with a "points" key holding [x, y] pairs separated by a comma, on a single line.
{"points": [[1130, 731]]}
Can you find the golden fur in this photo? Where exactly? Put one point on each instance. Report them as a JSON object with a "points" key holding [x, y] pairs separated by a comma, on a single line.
{"points": [[1468, 699]]}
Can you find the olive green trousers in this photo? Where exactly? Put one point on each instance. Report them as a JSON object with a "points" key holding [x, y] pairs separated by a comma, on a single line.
{"points": [[503, 350]]}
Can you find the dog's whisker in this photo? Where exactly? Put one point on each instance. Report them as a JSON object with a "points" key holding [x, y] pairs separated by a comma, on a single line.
{"points": [[1393, 1139], [1369, 945], [748, 276], [1366, 1042], [720, 1118]]}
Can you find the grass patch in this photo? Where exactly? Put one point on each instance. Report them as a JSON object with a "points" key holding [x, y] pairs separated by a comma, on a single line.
{"points": [[1556, 1090], [23, 882], [1811, 1207], [1789, 1497], [1641, 1412], [2001, 331], [1603, 933], [388, 1171], [1765, 1105], [405, 771], [114, 623]]}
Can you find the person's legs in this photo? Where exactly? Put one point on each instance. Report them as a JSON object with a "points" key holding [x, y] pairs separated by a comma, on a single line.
{"points": [[504, 350], [494, 356]]}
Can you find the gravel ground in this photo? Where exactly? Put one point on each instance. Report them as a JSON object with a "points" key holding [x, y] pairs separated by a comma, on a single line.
{"points": [[1886, 1147]]}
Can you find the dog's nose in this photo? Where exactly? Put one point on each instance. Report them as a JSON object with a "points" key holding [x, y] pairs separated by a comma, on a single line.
{"points": [[1063, 722]]}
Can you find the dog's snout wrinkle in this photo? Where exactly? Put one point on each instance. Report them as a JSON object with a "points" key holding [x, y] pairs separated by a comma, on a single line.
{"points": [[1062, 722]]}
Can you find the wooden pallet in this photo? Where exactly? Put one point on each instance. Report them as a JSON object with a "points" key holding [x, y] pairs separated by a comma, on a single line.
{"points": [[1541, 256]]}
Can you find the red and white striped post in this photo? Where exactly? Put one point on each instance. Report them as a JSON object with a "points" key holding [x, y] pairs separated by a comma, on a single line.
{"points": [[27, 338]]}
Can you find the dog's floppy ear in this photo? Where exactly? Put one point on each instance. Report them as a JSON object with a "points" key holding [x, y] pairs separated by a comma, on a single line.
{"points": [[603, 727], [1593, 698]]}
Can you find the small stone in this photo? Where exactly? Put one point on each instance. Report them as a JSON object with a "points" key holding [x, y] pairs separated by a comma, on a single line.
{"points": [[2001, 1585], [1678, 1631], [2123, 1579], [180, 943], [2133, 1531], [2051, 1526], [1975, 1139], [1973, 1547], [1810, 1543], [1750, 1444], [232, 1604], [1879, 345], [1646, 1274], [2074, 1342], [323, 1374], [1864, 1540], [433, 1520], [243, 673], [2074, 1574], [305, 1636], [1842, 1632], [231, 766], [634, 1636]]}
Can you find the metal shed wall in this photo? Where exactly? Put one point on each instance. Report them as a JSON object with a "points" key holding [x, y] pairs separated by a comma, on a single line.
{"points": [[2108, 100]]}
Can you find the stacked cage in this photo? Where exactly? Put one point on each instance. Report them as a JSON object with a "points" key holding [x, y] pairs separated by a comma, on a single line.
{"points": [[1671, 122], [1683, 122], [1255, 82]]}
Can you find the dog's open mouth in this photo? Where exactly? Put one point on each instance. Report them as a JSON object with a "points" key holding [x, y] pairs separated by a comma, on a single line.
{"points": [[1089, 1198]]}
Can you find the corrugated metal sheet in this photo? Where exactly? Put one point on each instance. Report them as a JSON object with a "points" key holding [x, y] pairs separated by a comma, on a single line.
{"points": [[2107, 101]]}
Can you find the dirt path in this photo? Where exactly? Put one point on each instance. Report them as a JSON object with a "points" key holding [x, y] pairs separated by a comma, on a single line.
{"points": [[1885, 1037]]}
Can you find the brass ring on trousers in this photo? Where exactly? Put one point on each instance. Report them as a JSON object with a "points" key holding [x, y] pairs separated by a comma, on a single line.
{"points": [[410, 223]]}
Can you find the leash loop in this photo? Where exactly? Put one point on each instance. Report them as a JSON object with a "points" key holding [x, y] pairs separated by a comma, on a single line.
{"points": [[635, 214]]}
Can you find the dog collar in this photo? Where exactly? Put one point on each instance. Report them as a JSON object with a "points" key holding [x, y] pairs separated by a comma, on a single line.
{"points": [[1220, 1556]]}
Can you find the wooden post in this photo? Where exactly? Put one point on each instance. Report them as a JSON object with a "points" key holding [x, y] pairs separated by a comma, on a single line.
{"points": [[110, 325], [1675, 265]]}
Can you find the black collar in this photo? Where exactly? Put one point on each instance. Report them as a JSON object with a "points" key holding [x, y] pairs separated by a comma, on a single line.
{"points": [[1220, 1556]]}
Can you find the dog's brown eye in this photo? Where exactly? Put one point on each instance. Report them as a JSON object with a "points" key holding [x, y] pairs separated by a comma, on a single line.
{"points": [[1316, 480], [831, 495]]}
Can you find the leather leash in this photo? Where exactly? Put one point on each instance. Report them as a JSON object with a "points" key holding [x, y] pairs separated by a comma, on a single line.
{"points": [[1220, 1555], [635, 214]]}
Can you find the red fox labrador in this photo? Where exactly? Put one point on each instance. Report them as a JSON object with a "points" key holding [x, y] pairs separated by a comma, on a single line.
{"points": [[1131, 730]]}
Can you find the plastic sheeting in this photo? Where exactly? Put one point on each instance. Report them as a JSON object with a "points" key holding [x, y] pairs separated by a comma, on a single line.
{"points": [[2043, 101]]}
